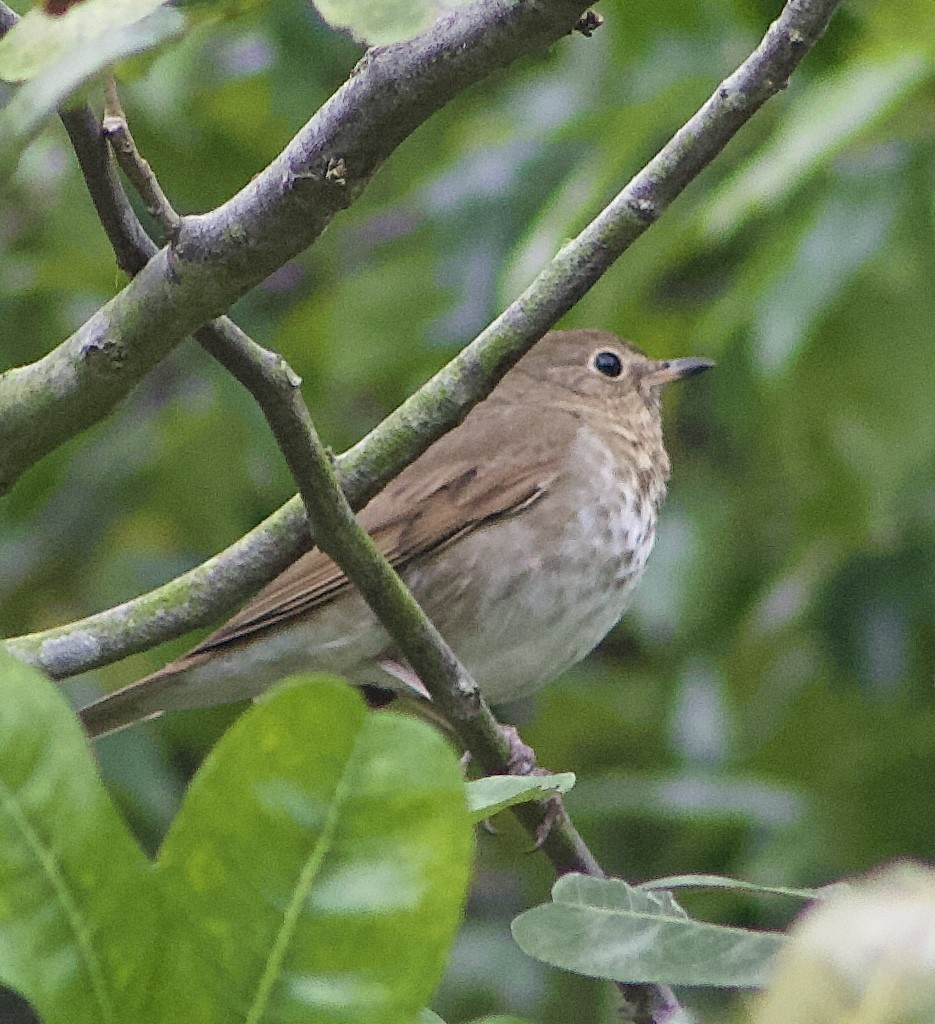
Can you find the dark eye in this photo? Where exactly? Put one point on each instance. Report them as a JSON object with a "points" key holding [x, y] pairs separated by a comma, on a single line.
{"points": [[608, 363]]}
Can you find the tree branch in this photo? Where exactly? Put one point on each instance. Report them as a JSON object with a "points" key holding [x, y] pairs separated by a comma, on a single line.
{"points": [[8, 18], [217, 257], [131, 244], [216, 587], [132, 163]]}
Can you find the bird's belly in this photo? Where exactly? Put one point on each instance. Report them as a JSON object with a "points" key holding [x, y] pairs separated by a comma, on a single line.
{"points": [[526, 608]]}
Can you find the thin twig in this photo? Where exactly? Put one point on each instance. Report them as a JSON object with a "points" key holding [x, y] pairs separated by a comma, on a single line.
{"points": [[140, 174]]}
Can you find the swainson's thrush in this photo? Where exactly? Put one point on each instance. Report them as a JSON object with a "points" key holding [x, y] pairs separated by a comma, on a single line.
{"points": [[522, 533]]}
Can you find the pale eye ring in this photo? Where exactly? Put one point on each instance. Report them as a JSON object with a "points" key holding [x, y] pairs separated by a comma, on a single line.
{"points": [[608, 363]]}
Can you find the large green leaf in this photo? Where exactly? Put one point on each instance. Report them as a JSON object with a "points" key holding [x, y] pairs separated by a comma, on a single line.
{"points": [[76, 917], [604, 928], [321, 857]]}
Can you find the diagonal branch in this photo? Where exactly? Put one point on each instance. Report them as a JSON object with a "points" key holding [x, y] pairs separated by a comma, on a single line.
{"points": [[216, 587]]}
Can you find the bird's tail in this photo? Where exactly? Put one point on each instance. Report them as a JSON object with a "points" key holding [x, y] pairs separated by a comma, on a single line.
{"points": [[138, 702]]}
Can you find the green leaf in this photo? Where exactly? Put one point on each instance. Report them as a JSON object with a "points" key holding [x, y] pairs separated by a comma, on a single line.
{"points": [[613, 893], [604, 928], [819, 123], [427, 1017], [494, 793], [322, 857], [55, 73], [738, 885], [379, 22], [76, 919], [89, 35]]}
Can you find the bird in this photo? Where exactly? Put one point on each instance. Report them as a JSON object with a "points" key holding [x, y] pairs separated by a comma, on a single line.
{"points": [[522, 532]]}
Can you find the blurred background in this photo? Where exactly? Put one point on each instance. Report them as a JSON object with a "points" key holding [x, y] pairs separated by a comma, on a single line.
{"points": [[766, 710]]}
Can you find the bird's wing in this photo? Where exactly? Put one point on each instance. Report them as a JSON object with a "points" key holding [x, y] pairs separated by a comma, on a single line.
{"points": [[443, 495]]}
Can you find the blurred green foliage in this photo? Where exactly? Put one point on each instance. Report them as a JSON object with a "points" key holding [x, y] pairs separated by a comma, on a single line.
{"points": [[314, 842], [766, 708]]}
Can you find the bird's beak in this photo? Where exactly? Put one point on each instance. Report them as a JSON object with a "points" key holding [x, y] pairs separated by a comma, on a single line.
{"points": [[667, 370]]}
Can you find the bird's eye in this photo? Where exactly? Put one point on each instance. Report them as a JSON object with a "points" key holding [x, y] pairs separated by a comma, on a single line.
{"points": [[608, 363]]}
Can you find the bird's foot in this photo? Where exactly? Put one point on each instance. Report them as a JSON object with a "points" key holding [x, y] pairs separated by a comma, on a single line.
{"points": [[522, 758], [522, 761], [554, 815]]}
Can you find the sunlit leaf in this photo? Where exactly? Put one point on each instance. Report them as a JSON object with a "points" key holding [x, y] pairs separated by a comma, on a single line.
{"points": [[55, 74], [87, 37], [861, 958]]}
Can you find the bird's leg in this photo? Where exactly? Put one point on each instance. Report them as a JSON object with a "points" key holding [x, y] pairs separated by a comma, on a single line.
{"points": [[522, 761], [554, 815]]}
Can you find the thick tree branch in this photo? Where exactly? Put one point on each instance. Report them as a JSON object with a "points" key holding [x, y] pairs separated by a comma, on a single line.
{"points": [[216, 587], [217, 257]]}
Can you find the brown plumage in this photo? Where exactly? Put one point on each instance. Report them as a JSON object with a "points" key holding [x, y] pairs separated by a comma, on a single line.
{"points": [[522, 532]]}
